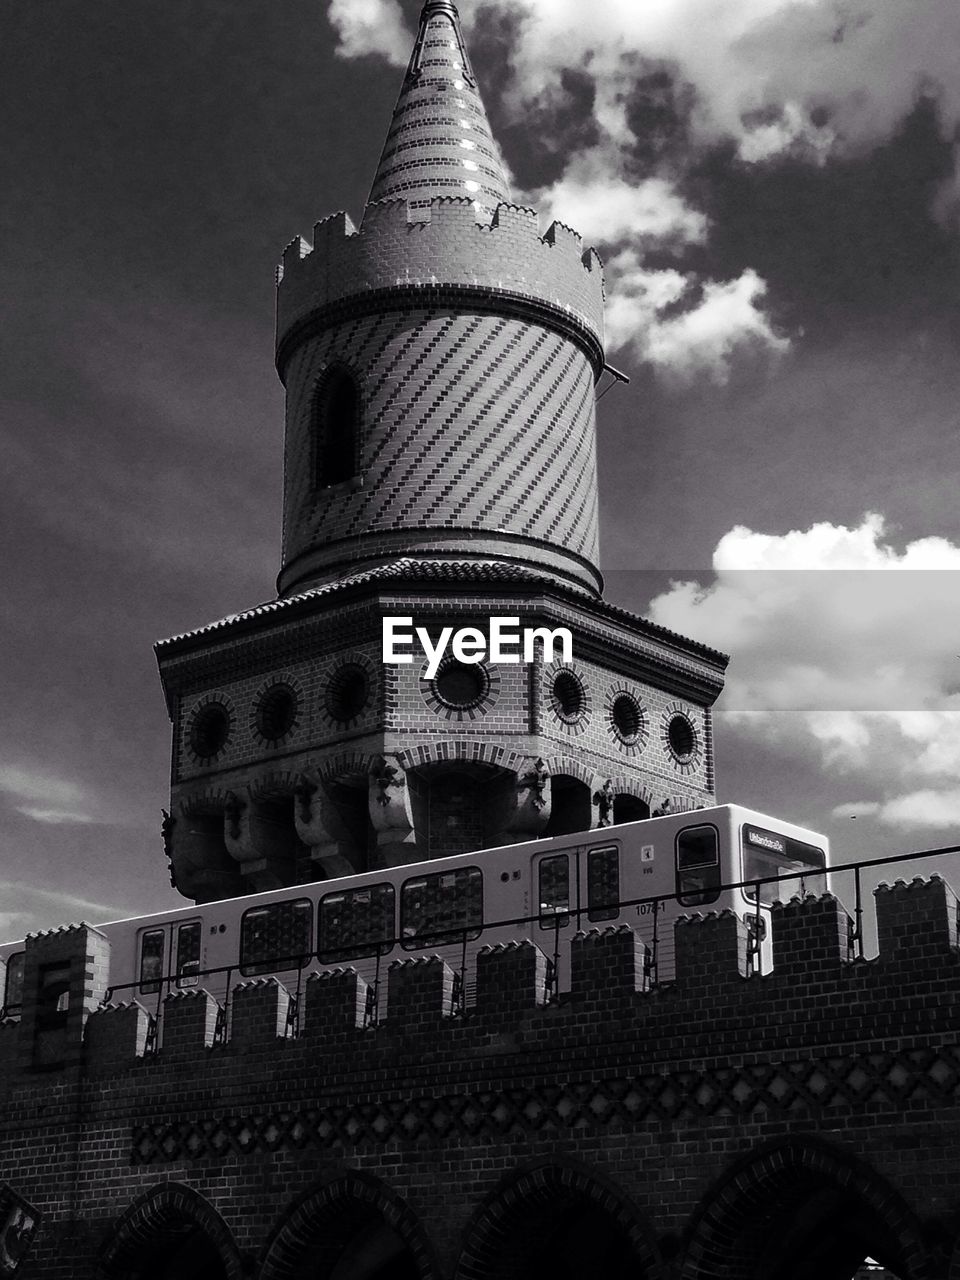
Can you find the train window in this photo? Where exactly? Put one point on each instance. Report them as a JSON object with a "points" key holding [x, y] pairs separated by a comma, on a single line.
{"points": [[13, 991], [151, 960], [698, 866], [355, 923], [437, 908], [188, 955], [275, 937], [767, 853], [554, 881], [603, 883]]}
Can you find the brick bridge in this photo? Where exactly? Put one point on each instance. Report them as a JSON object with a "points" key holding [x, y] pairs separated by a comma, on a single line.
{"points": [[785, 1126]]}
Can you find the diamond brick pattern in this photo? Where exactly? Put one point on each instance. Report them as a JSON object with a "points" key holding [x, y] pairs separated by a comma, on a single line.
{"points": [[921, 1075]]}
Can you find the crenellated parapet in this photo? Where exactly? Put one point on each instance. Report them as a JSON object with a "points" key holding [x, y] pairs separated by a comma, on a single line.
{"points": [[814, 994], [443, 255]]}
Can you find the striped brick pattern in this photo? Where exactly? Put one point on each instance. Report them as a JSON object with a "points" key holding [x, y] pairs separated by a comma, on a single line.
{"points": [[470, 424], [439, 142]]}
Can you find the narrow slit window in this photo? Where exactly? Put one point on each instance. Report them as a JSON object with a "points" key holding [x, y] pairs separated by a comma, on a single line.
{"points": [[336, 415]]}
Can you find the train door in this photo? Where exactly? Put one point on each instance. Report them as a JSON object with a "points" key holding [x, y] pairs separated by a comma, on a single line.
{"points": [[169, 957], [556, 894]]}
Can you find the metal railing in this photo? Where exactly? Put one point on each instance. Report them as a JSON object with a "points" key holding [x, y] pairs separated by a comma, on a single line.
{"points": [[533, 927]]}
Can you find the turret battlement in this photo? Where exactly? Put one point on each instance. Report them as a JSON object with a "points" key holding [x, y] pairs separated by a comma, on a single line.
{"points": [[438, 250]]}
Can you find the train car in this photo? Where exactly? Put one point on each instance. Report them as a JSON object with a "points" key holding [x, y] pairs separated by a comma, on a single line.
{"points": [[644, 873]]}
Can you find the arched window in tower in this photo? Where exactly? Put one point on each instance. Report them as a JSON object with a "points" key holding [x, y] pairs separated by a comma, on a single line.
{"points": [[336, 420]]}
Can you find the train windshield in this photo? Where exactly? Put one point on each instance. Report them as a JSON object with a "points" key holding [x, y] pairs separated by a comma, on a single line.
{"points": [[768, 853], [13, 993]]}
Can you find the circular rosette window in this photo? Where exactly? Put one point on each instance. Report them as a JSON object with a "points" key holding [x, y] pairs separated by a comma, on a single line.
{"points": [[348, 693], [209, 731], [275, 715], [681, 740], [626, 720], [461, 690], [568, 698]]}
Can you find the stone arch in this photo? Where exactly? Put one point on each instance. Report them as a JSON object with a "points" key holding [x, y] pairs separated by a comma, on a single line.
{"points": [[209, 801], [345, 764], [632, 799], [549, 1212], [571, 768], [170, 1231], [460, 804], [271, 784], [802, 1209], [324, 1226], [451, 749]]}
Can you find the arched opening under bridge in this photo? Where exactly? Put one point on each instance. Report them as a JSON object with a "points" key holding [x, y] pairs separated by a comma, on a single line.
{"points": [[558, 1222], [803, 1210], [350, 1228], [170, 1233]]}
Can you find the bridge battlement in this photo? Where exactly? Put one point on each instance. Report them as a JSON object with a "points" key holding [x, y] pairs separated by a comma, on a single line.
{"points": [[446, 256], [743, 1087], [815, 992]]}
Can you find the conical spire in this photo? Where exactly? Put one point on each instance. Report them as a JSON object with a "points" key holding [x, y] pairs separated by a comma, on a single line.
{"points": [[439, 143]]}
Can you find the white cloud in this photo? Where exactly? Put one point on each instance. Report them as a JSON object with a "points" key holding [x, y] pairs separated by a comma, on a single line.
{"points": [[700, 339], [38, 908], [57, 817], [939, 810], [44, 797], [706, 338], [684, 329], [767, 72], [845, 646], [607, 209], [371, 27]]}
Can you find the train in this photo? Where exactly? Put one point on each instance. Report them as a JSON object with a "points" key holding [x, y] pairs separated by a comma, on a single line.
{"points": [[644, 873]]}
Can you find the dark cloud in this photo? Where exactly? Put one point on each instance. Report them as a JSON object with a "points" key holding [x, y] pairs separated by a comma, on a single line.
{"points": [[853, 240], [557, 121], [659, 107]]}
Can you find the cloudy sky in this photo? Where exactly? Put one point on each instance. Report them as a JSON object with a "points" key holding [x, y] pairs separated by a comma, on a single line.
{"points": [[773, 187]]}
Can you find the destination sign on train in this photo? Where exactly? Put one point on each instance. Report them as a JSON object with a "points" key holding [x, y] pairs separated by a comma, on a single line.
{"points": [[761, 839]]}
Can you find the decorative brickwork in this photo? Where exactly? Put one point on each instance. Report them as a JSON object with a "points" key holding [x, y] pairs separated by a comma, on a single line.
{"points": [[440, 141], [716, 1128], [230, 814], [472, 426]]}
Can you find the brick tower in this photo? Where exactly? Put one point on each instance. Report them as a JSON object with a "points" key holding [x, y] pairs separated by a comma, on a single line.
{"points": [[439, 464]]}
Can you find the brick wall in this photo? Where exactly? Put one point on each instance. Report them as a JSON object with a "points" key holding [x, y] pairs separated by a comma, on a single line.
{"points": [[674, 1125]]}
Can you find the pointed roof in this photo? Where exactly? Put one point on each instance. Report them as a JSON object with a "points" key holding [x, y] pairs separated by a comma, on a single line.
{"points": [[440, 143]]}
